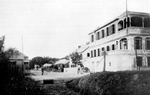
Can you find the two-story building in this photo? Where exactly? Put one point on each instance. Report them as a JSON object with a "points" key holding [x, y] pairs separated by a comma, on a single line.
{"points": [[122, 44]]}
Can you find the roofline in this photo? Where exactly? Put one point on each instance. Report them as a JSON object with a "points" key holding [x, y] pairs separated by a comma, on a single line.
{"points": [[107, 24], [122, 15]]}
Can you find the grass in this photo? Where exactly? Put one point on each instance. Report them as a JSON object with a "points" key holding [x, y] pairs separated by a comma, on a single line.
{"points": [[112, 83], [58, 89]]}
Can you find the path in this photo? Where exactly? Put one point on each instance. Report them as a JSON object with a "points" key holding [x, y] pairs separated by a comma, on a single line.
{"points": [[36, 75]]}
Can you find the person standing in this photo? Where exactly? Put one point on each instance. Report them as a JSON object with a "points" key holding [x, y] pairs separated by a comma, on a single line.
{"points": [[42, 70]]}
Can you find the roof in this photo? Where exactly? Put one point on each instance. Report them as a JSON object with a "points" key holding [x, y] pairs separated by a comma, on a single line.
{"points": [[47, 65], [82, 48], [120, 16], [62, 61]]}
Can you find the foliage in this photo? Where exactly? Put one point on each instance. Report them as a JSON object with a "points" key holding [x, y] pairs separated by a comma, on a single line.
{"points": [[22, 86], [76, 58], [112, 83], [41, 61], [58, 89], [12, 52]]}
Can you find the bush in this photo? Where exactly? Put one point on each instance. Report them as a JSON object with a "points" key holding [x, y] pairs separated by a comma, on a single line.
{"points": [[113, 83], [13, 82], [22, 86]]}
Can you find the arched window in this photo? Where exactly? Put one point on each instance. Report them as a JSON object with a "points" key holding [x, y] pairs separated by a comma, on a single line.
{"points": [[136, 21], [92, 38], [94, 53], [123, 43], [113, 29], [98, 50], [88, 54], [113, 47], [108, 48], [120, 25], [137, 43], [147, 43], [103, 49], [91, 53], [107, 31], [103, 34], [98, 36]]}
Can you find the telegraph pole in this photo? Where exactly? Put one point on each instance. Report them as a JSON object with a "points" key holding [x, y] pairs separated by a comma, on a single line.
{"points": [[22, 57], [104, 67]]}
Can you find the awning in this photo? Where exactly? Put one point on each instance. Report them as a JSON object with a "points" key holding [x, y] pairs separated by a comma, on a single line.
{"points": [[63, 61], [47, 65]]}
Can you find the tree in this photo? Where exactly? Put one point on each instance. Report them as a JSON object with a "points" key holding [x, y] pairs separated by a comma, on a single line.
{"points": [[2, 43], [36, 61], [76, 58], [11, 52], [41, 61]]}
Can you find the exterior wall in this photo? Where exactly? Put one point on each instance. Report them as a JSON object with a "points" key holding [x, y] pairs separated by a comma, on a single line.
{"points": [[118, 59], [73, 70], [115, 61]]}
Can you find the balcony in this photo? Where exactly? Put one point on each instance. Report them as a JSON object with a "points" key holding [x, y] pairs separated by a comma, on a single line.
{"points": [[139, 30]]}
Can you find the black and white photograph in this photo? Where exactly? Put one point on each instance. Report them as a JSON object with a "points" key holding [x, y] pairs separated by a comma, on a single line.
{"points": [[74, 47]]}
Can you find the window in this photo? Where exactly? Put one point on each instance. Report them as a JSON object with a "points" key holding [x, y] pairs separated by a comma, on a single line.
{"points": [[123, 43], [108, 49], [137, 43], [139, 61], [107, 31], [125, 21], [110, 30], [92, 38], [94, 53], [113, 29], [146, 22], [113, 47], [98, 52], [120, 25], [98, 36], [136, 21], [147, 43], [103, 49], [88, 54], [148, 61], [103, 34], [91, 53]]}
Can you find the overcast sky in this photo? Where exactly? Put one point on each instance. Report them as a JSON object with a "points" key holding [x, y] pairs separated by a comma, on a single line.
{"points": [[55, 28]]}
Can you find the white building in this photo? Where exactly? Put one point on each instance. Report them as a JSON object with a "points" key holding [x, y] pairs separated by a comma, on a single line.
{"points": [[126, 41]]}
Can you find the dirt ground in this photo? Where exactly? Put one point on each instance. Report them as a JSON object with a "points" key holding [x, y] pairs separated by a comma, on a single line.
{"points": [[37, 75], [59, 87]]}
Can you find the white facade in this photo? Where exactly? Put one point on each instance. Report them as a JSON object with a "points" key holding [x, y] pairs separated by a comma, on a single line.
{"points": [[126, 41]]}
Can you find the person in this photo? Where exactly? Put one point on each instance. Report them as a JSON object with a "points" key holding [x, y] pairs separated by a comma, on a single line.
{"points": [[42, 69]]}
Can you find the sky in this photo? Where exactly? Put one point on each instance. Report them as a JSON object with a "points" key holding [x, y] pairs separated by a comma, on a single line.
{"points": [[55, 28]]}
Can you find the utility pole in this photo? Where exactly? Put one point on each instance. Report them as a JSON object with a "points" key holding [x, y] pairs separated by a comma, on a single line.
{"points": [[22, 57], [104, 67]]}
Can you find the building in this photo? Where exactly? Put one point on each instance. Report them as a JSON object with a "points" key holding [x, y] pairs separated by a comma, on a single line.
{"points": [[122, 44], [19, 61]]}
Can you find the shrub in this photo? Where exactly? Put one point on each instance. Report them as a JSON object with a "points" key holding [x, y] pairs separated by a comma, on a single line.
{"points": [[113, 83]]}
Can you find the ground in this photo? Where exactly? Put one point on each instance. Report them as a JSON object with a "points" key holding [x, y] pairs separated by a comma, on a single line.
{"points": [[37, 76], [59, 86]]}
